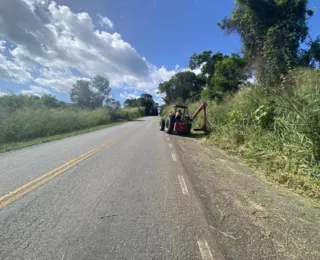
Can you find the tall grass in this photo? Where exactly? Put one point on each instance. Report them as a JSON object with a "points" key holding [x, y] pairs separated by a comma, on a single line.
{"points": [[27, 124], [276, 131]]}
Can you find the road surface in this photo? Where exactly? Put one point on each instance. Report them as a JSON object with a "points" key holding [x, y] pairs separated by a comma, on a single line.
{"points": [[117, 193]]}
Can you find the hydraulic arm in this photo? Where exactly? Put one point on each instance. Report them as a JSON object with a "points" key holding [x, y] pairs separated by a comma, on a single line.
{"points": [[203, 107]]}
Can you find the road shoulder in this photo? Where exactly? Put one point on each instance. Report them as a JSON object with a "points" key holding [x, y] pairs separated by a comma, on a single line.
{"points": [[248, 217]]}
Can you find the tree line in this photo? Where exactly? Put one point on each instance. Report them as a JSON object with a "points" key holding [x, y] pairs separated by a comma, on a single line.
{"points": [[220, 74], [275, 38], [85, 94]]}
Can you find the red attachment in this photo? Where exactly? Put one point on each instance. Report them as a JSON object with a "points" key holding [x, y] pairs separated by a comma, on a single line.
{"points": [[179, 126], [182, 127]]}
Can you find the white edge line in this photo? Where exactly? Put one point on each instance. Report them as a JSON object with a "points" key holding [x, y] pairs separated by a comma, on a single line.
{"points": [[174, 157], [205, 250], [170, 145], [168, 139], [183, 185]]}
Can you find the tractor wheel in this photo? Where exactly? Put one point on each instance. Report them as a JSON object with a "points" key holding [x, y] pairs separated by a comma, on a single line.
{"points": [[162, 124], [170, 124]]}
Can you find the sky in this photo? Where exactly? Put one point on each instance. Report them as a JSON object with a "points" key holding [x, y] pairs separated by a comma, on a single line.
{"points": [[45, 46]]}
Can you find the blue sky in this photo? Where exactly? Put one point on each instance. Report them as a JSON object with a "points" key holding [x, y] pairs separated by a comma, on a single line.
{"points": [[136, 44]]}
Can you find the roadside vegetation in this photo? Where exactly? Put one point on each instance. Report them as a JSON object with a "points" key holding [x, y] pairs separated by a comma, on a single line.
{"points": [[263, 102], [24, 119]]}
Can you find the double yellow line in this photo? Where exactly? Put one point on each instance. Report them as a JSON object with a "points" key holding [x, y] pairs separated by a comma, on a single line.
{"points": [[21, 191]]}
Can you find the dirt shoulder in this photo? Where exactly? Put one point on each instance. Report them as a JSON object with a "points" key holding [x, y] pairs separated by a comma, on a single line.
{"points": [[249, 218]]}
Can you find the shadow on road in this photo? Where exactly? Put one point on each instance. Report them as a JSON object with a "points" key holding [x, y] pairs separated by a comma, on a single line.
{"points": [[195, 135], [137, 120]]}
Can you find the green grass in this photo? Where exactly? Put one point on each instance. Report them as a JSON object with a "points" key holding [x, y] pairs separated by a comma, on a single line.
{"points": [[18, 145], [28, 126], [275, 131]]}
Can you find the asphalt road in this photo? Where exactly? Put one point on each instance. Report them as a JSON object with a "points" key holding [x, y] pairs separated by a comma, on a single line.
{"points": [[117, 193]]}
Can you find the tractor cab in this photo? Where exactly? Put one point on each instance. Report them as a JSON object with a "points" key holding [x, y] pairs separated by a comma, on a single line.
{"points": [[184, 112], [181, 121]]}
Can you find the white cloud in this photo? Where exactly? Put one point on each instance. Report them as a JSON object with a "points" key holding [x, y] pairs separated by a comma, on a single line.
{"points": [[156, 76], [35, 91], [2, 45], [105, 21], [196, 71], [52, 46], [11, 71], [126, 95], [59, 80], [3, 93]]}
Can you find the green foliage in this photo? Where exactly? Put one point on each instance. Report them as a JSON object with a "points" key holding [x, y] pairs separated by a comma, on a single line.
{"points": [[132, 102], [274, 124], [101, 90], [146, 101], [220, 74], [272, 33], [182, 87], [11, 102], [264, 116], [29, 123], [278, 133], [50, 101], [81, 94], [86, 94], [27, 117], [223, 74], [229, 75], [301, 105], [207, 62]]}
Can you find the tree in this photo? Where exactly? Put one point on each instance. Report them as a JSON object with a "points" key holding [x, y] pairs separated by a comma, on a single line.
{"points": [[310, 57], [207, 62], [272, 33], [101, 90], [197, 60], [132, 102], [146, 101], [182, 87], [49, 101], [230, 73], [222, 73], [81, 94], [63, 104], [92, 95]]}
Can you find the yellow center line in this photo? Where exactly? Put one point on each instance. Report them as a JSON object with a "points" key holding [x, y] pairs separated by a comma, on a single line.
{"points": [[26, 188], [43, 176]]}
